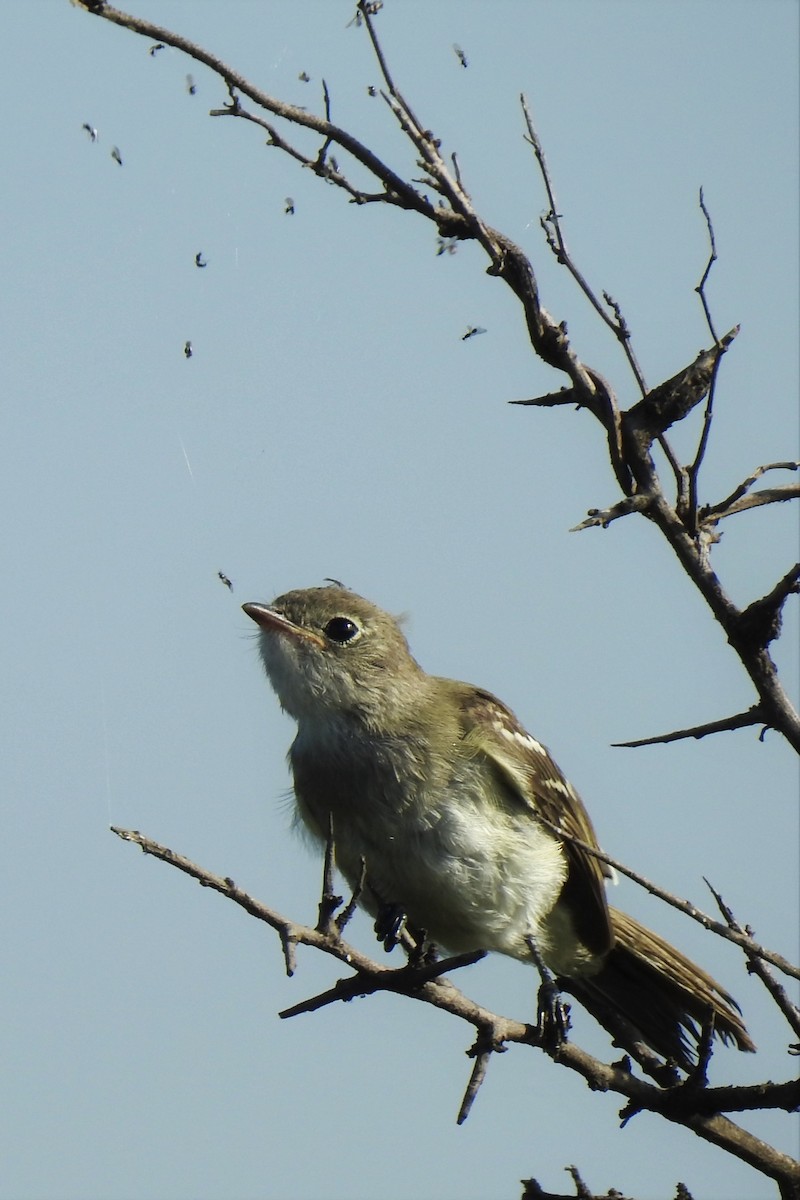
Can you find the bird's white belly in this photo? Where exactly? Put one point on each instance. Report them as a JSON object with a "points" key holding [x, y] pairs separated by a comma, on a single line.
{"points": [[471, 876]]}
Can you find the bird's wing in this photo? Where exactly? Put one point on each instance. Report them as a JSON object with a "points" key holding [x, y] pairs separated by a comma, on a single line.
{"points": [[532, 781]]}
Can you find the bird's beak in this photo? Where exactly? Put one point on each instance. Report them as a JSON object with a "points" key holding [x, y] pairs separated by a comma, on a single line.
{"points": [[275, 622]]}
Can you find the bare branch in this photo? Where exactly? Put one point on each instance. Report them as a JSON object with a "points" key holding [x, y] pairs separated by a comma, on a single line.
{"points": [[778, 495], [718, 511], [697, 1109], [566, 395], [712, 258], [684, 906], [692, 472], [406, 980], [376, 46], [753, 716], [629, 435], [398, 191], [776, 707], [757, 966], [551, 224], [602, 517], [482, 1052]]}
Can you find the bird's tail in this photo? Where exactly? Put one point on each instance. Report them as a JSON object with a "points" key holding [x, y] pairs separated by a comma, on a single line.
{"points": [[660, 992]]}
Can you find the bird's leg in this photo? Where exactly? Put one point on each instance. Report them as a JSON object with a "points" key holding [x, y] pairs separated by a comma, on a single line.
{"points": [[552, 1014]]}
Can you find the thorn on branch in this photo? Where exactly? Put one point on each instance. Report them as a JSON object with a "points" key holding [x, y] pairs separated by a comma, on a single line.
{"points": [[486, 1044], [288, 945], [753, 716], [566, 395]]}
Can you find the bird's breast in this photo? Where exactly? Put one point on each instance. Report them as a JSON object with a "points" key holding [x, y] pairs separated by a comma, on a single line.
{"points": [[468, 871]]}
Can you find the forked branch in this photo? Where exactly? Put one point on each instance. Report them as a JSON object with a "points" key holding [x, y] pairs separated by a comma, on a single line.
{"points": [[697, 1108]]}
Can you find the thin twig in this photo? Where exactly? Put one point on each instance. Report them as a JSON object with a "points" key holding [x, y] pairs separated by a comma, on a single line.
{"points": [[698, 1110], [757, 966], [384, 68], [692, 472], [683, 906], [753, 716], [557, 243], [712, 258], [482, 1052], [720, 510], [777, 495], [629, 447]]}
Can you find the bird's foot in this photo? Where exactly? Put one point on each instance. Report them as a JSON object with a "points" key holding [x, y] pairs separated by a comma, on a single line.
{"points": [[552, 1016], [389, 925]]}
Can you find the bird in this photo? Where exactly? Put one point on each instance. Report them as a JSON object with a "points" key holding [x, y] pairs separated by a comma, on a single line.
{"points": [[115, 154], [443, 807], [199, 261]]}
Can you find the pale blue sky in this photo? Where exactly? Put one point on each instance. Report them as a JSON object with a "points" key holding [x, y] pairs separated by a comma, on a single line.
{"points": [[331, 422]]}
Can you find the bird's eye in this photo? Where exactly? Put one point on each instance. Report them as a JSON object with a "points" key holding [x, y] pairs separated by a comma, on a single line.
{"points": [[341, 629]]}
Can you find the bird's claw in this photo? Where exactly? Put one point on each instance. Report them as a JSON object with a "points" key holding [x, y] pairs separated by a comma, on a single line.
{"points": [[389, 925], [552, 1016]]}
